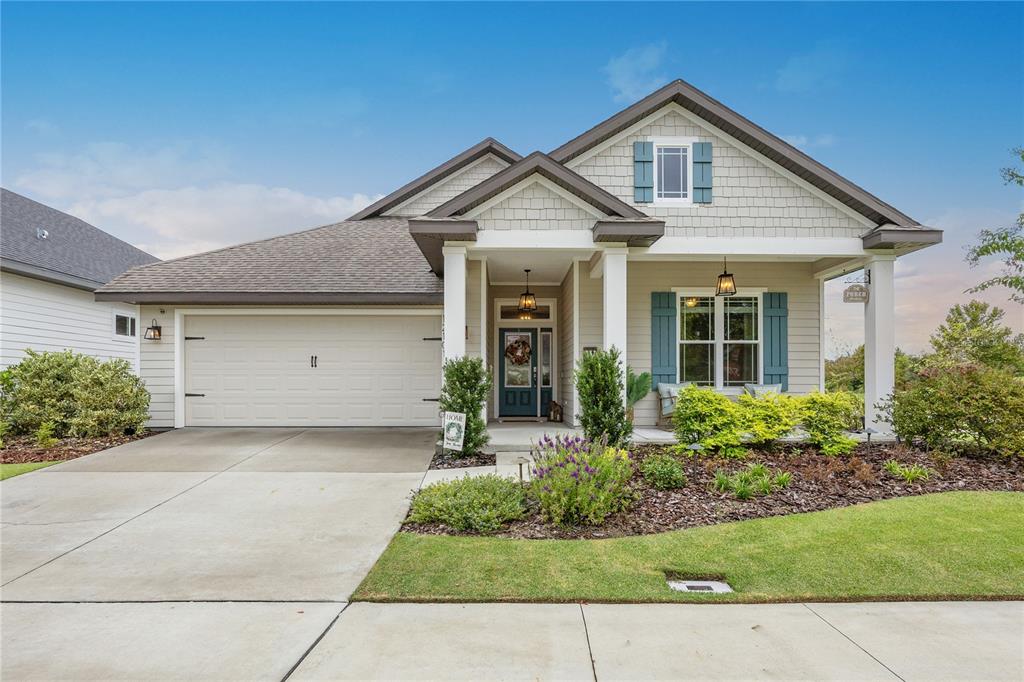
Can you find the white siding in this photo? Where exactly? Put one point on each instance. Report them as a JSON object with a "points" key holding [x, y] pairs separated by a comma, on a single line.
{"points": [[51, 317], [794, 278], [450, 187], [157, 369], [750, 199], [534, 207], [591, 309]]}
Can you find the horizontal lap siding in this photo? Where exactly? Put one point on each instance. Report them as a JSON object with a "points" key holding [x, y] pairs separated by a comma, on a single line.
{"points": [[568, 358], [592, 309], [50, 317], [473, 271], [793, 278], [157, 369], [751, 199]]}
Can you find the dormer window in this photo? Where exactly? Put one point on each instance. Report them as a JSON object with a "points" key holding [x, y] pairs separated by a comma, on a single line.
{"points": [[673, 170]]}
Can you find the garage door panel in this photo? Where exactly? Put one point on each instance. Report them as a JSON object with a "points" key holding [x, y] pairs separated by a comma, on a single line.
{"points": [[255, 370]]}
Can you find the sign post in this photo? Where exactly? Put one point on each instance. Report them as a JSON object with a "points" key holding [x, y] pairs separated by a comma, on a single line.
{"points": [[454, 430]]}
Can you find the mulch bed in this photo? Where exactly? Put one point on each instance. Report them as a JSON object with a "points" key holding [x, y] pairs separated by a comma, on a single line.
{"points": [[451, 460], [818, 483], [23, 449]]}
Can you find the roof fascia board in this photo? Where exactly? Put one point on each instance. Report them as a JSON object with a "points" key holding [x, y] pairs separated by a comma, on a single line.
{"points": [[436, 174], [430, 235], [52, 276], [529, 180], [889, 237], [632, 232], [270, 298], [440, 183], [739, 144]]}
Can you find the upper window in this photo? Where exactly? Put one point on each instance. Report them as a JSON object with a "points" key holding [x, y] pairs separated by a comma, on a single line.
{"points": [[719, 340], [124, 325], [672, 172]]}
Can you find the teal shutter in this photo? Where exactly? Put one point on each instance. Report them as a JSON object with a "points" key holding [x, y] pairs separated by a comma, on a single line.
{"points": [[702, 172], [643, 172], [664, 348], [776, 339]]}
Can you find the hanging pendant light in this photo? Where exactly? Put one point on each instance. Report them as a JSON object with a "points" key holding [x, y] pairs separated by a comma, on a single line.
{"points": [[726, 282], [527, 301]]}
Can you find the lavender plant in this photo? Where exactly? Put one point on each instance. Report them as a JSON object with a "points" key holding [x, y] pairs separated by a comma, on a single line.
{"points": [[576, 481]]}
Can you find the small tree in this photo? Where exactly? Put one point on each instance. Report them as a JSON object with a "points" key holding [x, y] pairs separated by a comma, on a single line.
{"points": [[974, 333], [599, 385], [467, 383], [1004, 242]]}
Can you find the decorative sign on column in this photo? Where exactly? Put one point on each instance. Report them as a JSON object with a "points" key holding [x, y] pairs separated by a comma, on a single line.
{"points": [[855, 293], [454, 430]]}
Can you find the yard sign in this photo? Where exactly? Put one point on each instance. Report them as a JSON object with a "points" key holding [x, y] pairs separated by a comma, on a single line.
{"points": [[454, 430]]}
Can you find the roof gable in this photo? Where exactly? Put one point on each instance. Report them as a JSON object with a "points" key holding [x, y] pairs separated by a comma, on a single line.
{"points": [[540, 164], [486, 147], [747, 132], [73, 252]]}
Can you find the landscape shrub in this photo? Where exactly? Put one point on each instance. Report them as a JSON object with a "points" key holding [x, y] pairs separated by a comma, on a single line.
{"points": [[77, 394], [664, 472], [479, 504], [44, 435], [961, 409], [577, 481], [768, 418], [637, 387], [825, 417], [705, 416], [467, 385], [755, 480], [600, 386], [909, 473]]}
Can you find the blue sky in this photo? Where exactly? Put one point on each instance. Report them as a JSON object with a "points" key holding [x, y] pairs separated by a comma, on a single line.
{"points": [[182, 127]]}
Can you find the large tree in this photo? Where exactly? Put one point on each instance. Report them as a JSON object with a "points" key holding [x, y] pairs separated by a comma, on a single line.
{"points": [[974, 333], [1006, 243]]}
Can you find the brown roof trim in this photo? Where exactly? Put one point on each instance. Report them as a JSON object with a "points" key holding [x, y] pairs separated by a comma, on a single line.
{"points": [[270, 298], [537, 162], [894, 237], [449, 167], [751, 134], [633, 232], [430, 234]]}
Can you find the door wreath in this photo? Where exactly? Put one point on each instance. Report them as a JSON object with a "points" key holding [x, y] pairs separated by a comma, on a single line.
{"points": [[518, 351]]}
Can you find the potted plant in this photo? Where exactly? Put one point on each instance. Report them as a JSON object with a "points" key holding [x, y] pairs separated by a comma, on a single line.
{"points": [[637, 386]]}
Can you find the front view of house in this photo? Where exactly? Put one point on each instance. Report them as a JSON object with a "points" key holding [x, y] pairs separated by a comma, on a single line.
{"points": [[627, 233]]}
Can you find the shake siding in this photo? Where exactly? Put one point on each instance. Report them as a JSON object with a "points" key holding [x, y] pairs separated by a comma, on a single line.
{"points": [[750, 199], [565, 348], [158, 367], [793, 278], [450, 187], [50, 317], [535, 207], [473, 271]]}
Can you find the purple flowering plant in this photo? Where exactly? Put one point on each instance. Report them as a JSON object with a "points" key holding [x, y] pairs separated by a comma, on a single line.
{"points": [[576, 481]]}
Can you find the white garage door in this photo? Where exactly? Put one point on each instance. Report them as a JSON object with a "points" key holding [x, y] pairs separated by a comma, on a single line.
{"points": [[325, 370]]}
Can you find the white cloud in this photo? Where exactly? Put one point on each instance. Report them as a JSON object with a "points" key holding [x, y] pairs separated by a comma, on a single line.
{"points": [[635, 73], [811, 70], [174, 200], [806, 142]]}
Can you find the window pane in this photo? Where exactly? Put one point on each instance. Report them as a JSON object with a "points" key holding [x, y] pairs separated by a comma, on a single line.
{"points": [[741, 319], [511, 312], [518, 360], [121, 325], [671, 162], [697, 318], [545, 359], [741, 363], [697, 363], [132, 326]]}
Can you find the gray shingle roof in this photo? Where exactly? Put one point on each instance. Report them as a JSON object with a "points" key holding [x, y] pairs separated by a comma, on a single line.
{"points": [[73, 252], [366, 261]]}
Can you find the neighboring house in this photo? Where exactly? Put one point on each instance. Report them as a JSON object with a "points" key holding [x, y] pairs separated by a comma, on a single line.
{"points": [[50, 265], [624, 228]]}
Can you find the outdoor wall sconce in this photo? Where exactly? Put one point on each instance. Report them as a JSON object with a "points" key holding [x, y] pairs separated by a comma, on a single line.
{"points": [[726, 282], [527, 301], [152, 331]]}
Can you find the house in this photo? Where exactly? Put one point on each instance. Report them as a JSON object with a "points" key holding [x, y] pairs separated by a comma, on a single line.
{"points": [[624, 230], [50, 265]]}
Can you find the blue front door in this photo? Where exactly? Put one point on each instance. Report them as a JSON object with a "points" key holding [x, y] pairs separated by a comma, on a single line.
{"points": [[517, 380]]}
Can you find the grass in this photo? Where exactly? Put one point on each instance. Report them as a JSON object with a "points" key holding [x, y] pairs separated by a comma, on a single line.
{"points": [[11, 470], [959, 545]]}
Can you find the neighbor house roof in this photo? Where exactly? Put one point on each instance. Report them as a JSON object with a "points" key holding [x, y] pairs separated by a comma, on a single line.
{"points": [[449, 167], [352, 262], [747, 132], [44, 243]]}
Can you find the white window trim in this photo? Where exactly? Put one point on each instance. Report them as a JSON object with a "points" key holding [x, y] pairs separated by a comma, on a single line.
{"points": [[687, 142], [719, 342], [126, 338]]}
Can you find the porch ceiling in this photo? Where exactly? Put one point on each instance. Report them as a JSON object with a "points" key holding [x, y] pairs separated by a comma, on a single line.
{"points": [[546, 267]]}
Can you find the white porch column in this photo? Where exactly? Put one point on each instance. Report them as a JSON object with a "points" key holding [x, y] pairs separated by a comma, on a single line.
{"points": [[879, 338], [614, 320], [454, 335]]}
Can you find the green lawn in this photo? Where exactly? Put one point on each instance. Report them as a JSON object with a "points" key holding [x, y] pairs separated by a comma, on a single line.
{"points": [[9, 470], [948, 545]]}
